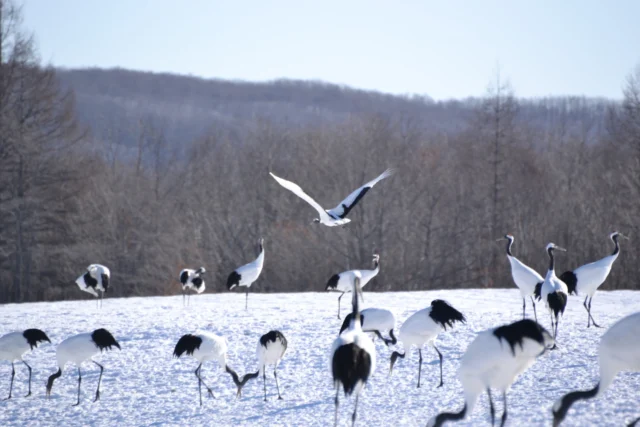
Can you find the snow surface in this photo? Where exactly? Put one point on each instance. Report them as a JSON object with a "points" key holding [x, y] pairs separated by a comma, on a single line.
{"points": [[144, 385]]}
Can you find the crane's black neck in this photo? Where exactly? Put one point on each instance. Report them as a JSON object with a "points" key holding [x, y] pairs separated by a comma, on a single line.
{"points": [[616, 250], [449, 416], [355, 318], [551, 263], [570, 399], [509, 244], [376, 264]]}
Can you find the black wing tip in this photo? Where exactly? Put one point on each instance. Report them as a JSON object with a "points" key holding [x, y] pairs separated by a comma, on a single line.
{"points": [[537, 291], [104, 340], [445, 314], [188, 344], [34, 337], [515, 333], [332, 283], [233, 279], [570, 279]]}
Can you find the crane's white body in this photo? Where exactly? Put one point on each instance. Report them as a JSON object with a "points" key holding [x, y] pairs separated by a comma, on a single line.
{"points": [[377, 319], [419, 329], [270, 355], [591, 276], [213, 347], [525, 277], [347, 277], [96, 271], [13, 346], [489, 362], [76, 349], [249, 273], [619, 350], [336, 216]]}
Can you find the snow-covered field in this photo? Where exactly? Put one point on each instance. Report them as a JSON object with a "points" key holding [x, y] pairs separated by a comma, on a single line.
{"points": [[144, 385]]}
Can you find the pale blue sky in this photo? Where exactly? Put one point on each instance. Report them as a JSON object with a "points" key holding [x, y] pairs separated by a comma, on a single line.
{"points": [[445, 49]]}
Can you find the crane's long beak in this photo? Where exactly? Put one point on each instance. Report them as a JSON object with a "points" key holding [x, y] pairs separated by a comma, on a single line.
{"points": [[623, 236], [558, 248], [500, 239]]}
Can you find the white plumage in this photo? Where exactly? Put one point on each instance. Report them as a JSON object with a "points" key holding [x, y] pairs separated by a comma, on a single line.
{"points": [[375, 320], [192, 280], [353, 357], [14, 345], [586, 280], [247, 274], [422, 327], [78, 349], [494, 359], [553, 291], [525, 277], [338, 215], [95, 279], [619, 350], [343, 282], [205, 346], [271, 348]]}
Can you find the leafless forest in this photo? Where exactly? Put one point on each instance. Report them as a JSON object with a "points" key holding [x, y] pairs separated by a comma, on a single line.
{"points": [[151, 173]]}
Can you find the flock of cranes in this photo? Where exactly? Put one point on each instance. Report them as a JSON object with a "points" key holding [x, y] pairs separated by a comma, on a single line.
{"points": [[493, 360]]}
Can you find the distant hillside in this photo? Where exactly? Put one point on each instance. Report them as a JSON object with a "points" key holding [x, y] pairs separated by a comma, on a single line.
{"points": [[186, 107]]}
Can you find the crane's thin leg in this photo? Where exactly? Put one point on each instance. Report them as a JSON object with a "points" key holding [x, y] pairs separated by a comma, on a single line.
{"points": [[99, 380], [264, 381], [492, 410], [184, 298], [419, 365], [555, 334], [101, 298], [504, 414], [28, 367], [339, 298], [13, 374], [276, 376], [79, 381], [337, 403], [592, 319], [246, 299], [440, 356], [355, 410], [586, 307], [201, 381], [533, 303], [554, 330], [634, 422], [523, 307]]}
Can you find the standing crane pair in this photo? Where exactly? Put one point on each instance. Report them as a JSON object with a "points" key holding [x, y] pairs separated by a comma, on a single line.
{"points": [[554, 291]]}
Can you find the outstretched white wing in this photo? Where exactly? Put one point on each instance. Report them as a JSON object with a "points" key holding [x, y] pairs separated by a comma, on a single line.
{"points": [[295, 189], [342, 210]]}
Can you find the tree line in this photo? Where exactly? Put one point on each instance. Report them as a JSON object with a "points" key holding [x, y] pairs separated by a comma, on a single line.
{"points": [[71, 195]]}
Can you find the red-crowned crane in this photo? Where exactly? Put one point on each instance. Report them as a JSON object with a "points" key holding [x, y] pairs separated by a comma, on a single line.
{"points": [[422, 327], [338, 215], [342, 282], [353, 357], [494, 359], [14, 345], [247, 274], [586, 280]]}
